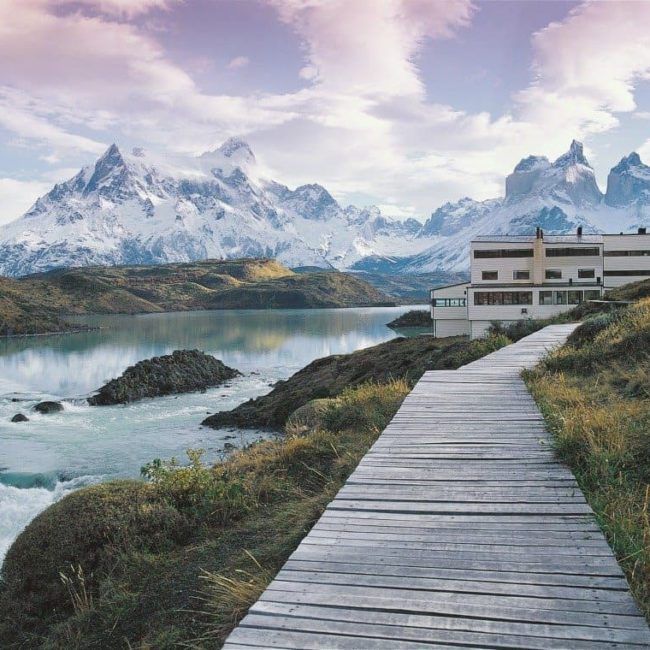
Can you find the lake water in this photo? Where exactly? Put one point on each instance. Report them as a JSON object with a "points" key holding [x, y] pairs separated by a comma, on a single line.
{"points": [[44, 458]]}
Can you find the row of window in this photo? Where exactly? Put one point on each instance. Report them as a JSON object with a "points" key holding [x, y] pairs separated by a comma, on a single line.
{"points": [[627, 253], [549, 274], [585, 251], [573, 297], [449, 302], [628, 273]]}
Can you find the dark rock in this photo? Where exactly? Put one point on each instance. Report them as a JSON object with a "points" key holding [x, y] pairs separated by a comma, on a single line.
{"points": [[183, 371], [228, 446], [413, 318], [19, 417], [48, 407]]}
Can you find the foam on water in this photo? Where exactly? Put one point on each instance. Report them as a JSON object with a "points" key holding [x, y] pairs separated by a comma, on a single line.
{"points": [[20, 503]]}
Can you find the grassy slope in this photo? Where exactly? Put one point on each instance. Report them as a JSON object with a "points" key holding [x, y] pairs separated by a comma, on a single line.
{"points": [[181, 557], [595, 394], [38, 303], [405, 358]]}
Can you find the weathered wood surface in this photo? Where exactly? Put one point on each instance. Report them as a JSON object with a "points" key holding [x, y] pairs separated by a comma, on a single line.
{"points": [[458, 529]]}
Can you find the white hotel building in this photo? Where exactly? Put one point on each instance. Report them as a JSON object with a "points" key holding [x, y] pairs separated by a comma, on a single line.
{"points": [[521, 277]]}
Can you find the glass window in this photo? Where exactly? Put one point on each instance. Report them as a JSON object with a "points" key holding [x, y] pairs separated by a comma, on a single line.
{"points": [[586, 251], [586, 273], [490, 275], [449, 302], [559, 297], [553, 274], [503, 298], [521, 275], [627, 253], [592, 294], [575, 297], [639, 272], [545, 297], [503, 252]]}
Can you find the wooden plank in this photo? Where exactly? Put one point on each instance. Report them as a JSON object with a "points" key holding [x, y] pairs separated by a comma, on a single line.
{"points": [[459, 528]]}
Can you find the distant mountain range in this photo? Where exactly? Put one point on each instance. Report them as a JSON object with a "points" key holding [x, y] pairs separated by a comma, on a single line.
{"points": [[131, 209]]}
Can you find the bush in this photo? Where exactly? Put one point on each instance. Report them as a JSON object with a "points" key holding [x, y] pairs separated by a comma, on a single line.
{"points": [[368, 407], [200, 491], [83, 533], [590, 327]]}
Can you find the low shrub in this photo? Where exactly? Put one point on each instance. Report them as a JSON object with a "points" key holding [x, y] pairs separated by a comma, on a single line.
{"points": [[80, 535]]}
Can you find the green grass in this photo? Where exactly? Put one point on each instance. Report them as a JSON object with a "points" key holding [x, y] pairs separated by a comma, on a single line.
{"points": [[595, 395]]}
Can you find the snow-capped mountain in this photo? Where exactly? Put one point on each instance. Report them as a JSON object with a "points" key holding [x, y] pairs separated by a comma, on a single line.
{"points": [[131, 209], [557, 196]]}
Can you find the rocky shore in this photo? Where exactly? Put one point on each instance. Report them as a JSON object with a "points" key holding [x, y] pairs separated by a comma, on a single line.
{"points": [[400, 358], [183, 371], [412, 318]]}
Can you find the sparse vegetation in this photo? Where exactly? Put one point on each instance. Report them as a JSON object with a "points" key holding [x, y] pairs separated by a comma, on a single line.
{"points": [[595, 395], [40, 303]]}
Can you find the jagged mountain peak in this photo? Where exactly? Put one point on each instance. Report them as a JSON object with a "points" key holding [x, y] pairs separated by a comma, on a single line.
{"points": [[236, 147], [531, 163], [628, 182], [627, 162], [574, 156]]}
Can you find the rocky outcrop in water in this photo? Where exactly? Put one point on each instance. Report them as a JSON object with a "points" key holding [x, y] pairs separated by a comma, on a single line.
{"points": [[46, 408], [19, 417], [183, 371]]}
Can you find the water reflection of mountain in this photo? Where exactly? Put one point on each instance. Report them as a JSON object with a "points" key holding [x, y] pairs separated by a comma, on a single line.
{"points": [[76, 364]]}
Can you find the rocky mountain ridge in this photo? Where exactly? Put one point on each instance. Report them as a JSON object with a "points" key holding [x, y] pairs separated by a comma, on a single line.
{"points": [[133, 209]]}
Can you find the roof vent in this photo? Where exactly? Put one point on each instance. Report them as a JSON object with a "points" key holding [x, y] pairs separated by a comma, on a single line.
{"points": [[642, 231]]}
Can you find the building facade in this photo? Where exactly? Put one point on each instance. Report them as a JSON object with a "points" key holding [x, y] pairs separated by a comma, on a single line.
{"points": [[530, 277]]}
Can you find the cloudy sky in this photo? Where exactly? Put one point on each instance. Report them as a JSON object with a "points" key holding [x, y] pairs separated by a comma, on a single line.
{"points": [[401, 103]]}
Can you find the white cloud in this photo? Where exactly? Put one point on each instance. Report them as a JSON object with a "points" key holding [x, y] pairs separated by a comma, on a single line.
{"points": [[361, 125], [238, 62], [16, 196]]}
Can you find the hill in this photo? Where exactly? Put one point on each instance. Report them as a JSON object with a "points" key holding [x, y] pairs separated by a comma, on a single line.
{"points": [[39, 303]]}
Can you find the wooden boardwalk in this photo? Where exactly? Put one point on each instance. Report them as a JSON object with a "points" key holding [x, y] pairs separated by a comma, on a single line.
{"points": [[458, 529]]}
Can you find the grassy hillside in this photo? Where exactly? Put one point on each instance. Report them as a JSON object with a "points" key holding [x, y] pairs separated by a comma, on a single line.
{"points": [[39, 303], [175, 561], [401, 358], [595, 394]]}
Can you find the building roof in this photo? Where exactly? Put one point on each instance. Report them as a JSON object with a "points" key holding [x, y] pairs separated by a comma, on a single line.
{"points": [[548, 239]]}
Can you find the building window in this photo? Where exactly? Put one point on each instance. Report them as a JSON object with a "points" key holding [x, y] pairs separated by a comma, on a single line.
{"points": [[449, 302], [559, 297], [639, 272], [503, 252], [521, 275], [573, 252], [553, 274], [592, 294], [574, 297], [545, 297], [490, 275], [483, 298], [627, 253], [586, 273]]}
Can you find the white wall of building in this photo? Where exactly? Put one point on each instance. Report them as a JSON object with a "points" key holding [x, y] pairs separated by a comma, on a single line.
{"points": [[637, 258]]}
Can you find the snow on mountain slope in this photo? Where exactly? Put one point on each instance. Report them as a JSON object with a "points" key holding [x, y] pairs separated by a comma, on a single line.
{"points": [[130, 209], [556, 196]]}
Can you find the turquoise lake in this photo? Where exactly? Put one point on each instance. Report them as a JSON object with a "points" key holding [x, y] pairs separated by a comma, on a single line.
{"points": [[44, 458]]}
